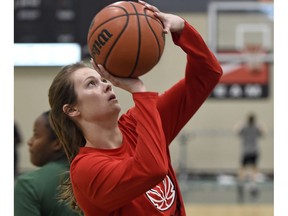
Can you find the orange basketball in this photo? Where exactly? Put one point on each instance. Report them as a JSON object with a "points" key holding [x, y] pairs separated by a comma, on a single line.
{"points": [[126, 38]]}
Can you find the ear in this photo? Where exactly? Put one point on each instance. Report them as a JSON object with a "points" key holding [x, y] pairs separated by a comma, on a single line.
{"points": [[56, 145], [70, 111]]}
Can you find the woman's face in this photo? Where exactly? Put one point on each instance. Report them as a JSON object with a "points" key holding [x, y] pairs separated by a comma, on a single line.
{"points": [[96, 100], [41, 147]]}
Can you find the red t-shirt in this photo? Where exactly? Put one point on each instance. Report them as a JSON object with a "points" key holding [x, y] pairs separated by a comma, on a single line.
{"points": [[137, 178]]}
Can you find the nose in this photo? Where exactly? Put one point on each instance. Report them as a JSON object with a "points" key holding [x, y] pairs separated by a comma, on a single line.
{"points": [[29, 142], [108, 87]]}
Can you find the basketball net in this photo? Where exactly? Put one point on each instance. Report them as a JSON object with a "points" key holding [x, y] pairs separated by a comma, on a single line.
{"points": [[254, 57]]}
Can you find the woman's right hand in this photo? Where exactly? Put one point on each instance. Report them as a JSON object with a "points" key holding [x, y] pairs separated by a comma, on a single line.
{"points": [[171, 22], [129, 84]]}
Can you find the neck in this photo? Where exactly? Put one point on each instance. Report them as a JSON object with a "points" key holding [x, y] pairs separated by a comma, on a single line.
{"points": [[58, 155], [103, 137]]}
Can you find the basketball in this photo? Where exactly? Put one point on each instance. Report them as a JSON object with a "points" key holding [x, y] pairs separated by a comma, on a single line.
{"points": [[126, 38]]}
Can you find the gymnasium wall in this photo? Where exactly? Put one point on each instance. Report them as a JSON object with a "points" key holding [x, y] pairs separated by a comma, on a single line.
{"points": [[212, 147]]}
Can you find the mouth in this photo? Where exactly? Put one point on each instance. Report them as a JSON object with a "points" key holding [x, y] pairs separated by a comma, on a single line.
{"points": [[112, 97]]}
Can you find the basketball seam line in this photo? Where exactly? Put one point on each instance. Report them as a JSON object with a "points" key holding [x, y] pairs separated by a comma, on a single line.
{"points": [[116, 40], [122, 16], [155, 36], [139, 43]]}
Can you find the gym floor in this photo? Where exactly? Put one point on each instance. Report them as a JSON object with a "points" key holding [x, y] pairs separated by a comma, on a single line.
{"points": [[219, 197]]}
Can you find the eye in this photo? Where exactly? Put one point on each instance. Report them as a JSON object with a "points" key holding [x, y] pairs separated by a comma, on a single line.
{"points": [[35, 135], [104, 80], [92, 82]]}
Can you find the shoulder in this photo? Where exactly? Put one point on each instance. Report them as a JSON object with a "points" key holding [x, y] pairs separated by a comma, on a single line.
{"points": [[55, 166], [47, 175], [26, 186], [26, 178], [128, 119]]}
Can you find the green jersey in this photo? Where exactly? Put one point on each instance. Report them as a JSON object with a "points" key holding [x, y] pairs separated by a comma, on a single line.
{"points": [[35, 193]]}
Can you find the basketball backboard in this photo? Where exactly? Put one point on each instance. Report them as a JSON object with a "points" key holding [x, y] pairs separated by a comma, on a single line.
{"points": [[241, 36]]}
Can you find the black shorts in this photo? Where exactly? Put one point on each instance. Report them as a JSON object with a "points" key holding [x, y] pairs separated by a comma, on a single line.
{"points": [[250, 159]]}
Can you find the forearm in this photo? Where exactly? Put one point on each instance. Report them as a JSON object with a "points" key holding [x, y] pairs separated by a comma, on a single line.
{"points": [[203, 72], [199, 56]]}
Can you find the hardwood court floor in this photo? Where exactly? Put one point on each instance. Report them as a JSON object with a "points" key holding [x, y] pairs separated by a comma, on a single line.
{"points": [[209, 198], [229, 210]]}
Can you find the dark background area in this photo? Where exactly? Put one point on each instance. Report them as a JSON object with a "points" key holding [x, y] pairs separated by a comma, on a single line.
{"points": [[63, 21]]}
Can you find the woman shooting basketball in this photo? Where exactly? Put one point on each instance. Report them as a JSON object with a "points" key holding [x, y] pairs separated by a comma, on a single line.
{"points": [[121, 165]]}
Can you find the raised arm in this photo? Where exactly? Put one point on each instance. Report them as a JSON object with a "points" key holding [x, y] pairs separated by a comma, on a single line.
{"points": [[178, 104]]}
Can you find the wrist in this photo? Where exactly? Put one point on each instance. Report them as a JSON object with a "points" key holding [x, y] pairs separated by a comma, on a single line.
{"points": [[180, 27], [138, 88]]}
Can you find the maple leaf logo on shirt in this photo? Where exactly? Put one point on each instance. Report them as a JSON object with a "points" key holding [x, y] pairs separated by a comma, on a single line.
{"points": [[162, 195]]}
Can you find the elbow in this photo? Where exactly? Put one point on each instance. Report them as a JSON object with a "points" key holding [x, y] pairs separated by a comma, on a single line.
{"points": [[220, 71], [215, 66], [159, 166], [157, 176], [219, 74], [215, 76], [160, 173], [157, 169]]}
